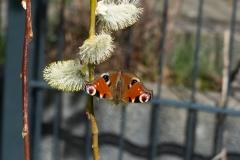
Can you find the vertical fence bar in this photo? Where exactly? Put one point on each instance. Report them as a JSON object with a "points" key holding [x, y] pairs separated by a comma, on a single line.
{"points": [[191, 120], [88, 140], [129, 48], [155, 108], [37, 63], [2, 50], [122, 135], [58, 95], [38, 103], [222, 118], [11, 141], [233, 22], [1, 24], [56, 126], [123, 110]]}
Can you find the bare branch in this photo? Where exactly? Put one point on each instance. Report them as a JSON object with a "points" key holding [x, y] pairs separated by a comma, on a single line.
{"points": [[27, 38]]}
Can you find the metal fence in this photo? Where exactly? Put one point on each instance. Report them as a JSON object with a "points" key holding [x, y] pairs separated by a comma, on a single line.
{"points": [[11, 141]]}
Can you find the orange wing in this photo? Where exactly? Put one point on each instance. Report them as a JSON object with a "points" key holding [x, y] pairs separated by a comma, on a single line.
{"points": [[98, 88], [138, 94]]}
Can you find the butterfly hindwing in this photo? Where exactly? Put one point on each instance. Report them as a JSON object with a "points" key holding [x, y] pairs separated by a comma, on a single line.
{"points": [[137, 94], [98, 88]]}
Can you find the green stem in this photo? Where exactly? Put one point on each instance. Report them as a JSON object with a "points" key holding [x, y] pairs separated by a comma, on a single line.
{"points": [[90, 98], [90, 109], [93, 5], [91, 72]]}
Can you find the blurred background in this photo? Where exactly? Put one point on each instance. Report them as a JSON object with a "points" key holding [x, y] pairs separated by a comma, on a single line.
{"points": [[186, 51]]}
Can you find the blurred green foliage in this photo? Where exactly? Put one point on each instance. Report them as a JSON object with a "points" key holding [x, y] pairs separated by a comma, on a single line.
{"points": [[180, 62]]}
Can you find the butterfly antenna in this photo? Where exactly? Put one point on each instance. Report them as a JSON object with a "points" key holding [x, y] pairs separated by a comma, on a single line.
{"points": [[108, 111], [103, 113], [119, 116]]}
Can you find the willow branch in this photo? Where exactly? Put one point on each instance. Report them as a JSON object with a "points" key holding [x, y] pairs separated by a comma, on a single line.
{"points": [[93, 5], [90, 109], [27, 38]]}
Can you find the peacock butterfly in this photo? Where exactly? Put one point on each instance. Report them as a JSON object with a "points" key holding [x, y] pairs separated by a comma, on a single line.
{"points": [[120, 86]]}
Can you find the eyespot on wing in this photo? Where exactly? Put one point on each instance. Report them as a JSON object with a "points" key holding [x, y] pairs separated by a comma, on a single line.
{"points": [[98, 88]]}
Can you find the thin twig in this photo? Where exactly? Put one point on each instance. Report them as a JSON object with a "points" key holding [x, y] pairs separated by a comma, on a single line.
{"points": [[90, 109], [223, 100], [27, 38], [223, 154], [225, 67]]}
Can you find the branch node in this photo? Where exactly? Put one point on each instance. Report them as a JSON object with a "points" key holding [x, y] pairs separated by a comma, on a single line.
{"points": [[24, 4], [24, 134], [30, 34]]}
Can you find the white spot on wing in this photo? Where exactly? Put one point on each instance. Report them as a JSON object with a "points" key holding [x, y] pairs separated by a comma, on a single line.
{"points": [[133, 100]]}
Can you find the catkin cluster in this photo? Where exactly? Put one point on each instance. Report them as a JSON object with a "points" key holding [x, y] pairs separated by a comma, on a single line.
{"points": [[72, 74]]}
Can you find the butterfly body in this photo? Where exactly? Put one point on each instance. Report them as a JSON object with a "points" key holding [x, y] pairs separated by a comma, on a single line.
{"points": [[120, 86]]}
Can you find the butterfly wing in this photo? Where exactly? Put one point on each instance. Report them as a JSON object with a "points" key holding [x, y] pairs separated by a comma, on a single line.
{"points": [[98, 88], [119, 86], [138, 94]]}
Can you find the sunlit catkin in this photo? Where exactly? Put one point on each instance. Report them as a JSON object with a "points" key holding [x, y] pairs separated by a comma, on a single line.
{"points": [[115, 16], [66, 75], [96, 49]]}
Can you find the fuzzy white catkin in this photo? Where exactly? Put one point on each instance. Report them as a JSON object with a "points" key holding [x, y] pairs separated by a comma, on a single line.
{"points": [[96, 49], [115, 16], [66, 75]]}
